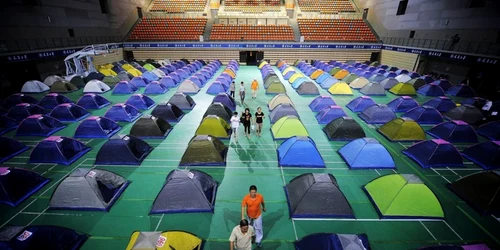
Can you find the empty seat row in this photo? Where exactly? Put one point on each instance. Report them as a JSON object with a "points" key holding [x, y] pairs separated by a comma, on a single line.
{"points": [[178, 6], [169, 29], [351, 30], [223, 32]]}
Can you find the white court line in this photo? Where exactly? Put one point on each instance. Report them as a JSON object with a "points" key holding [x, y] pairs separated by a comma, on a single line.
{"points": [[453, 230], [363, 220], [440, 175], [158, 225], [37, 216], [49, 169], [403, 145], [378, 172], [429, 231], [394, 170], [453, 172], [458, 169], [214, 167]]}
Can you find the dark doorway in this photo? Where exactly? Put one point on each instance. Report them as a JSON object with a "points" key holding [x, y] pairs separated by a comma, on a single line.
{"points": [[139, 12], [374, 56], [251, 57], [14, 75]]}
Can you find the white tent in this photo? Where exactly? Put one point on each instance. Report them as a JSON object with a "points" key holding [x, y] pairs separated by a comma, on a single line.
{"points": [[403, 78], [34, 87], [158, 73], [188, 87], [52, 79], [96, 86]]}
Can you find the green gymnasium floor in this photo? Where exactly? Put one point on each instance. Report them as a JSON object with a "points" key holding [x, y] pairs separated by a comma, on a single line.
{"points": [[251, 161]]}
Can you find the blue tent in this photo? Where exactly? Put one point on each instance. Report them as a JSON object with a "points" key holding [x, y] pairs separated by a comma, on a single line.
{"points": [[402, 71], [478, 102], [127, 150], [461, 90], [289, 74], [168, 82], [50, 237], [51, 100], [366, 153], [202, 78], [140, 102], [441, 103], [284, 109], [402, 104], [490, 130], [431, 89], [58, 149], [177, 79], [19, 98], [150, 76], [122, 113], [168, 112], [124, 88], [484, 154], [377, 114], [435, 153], [373, 88], [216, 88], [92, 101], [225, 99], [296, 84], [197, 81], [443, 83], [69, 112], [320, 103], [360, 103], [329, 114], [10, 148], [427, 79], [329, 241], [424, 115], [139, 81], [390, 74], [454, 131], [377, 78], [183, 101], [155, 88], [7, 124], [97, 127], [322, 77], [39, 125], [328, 82], [23, 110], [299, 151], [17, 184]]}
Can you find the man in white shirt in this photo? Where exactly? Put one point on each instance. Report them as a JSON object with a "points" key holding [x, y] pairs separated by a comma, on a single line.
{"points": [[242, 237], [235, 123]]}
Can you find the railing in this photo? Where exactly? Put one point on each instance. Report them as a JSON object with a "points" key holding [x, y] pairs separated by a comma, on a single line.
{"points": [[317, 15], [484, 48], [7, 46]]}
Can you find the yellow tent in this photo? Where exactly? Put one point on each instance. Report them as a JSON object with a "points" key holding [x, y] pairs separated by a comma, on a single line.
{"points": [[134, 72], [262, 64], [107, 72], [341, 74], [403, 89], [287, 69], [127, 66], [288, 126], [279, 99], [177, 240], [214, 126], [340, 88], [402, 129], [230, 72], [295, 76], [316, 74]]}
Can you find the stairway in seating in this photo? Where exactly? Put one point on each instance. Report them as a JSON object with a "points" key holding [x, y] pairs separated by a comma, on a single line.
{"points": [[295, 28], [208, 29]]}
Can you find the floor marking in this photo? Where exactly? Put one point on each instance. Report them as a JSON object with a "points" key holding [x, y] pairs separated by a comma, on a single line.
{"points": [[158, 225], [453, 230], [402, 145], [377, 172], [453, 172], [429, 231], [364, 220], [458, 169], [214, 167], [49, 169], [440, 175], [37, 216]]}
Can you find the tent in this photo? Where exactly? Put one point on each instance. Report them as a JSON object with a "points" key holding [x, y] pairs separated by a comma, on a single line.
{"points": [[333, 242], [140, 102], [343, 129], [402, 104], [183, 101], [282, 110], [58, 149], [402, 129], [34, 87], [431, 89], [434, 153], [204, 150], [52, 100], [92, 101], [359, 83], [403, 89], [17, 184], [299, 151], [461, 90], [373, 88], [418, 82], [219, 110], [122, 113], [23, 110], [454, 131], [155, 88], [78, 81], [318, 195], [279, 99], [403, 77], [63, 87], [168, 112], [186, 191], [377, 114], [69, 112], [97, 127], [92, 76], [111, 81], [490, 130], [225, 99], [477, 102], [19, 98], [441, 103], [340, 88], [366, 153], [188, 87], [7, 124], [139, 81], [480, 191], [389, 83], [164, 240], [287, 127], [457, 247], [150, 127], [124, 76], [320, 103], [403, 196], [39, 125], [484, 154], [466, 113], [377, 78], [33, 237], [50, 80], [329, 114], [123, 150], [9, 148], [341, 74], [153, 77], [349, 78], [88, 189], [216, 88], [214, 126], [360, 103], [124, 88], [307, 88], [276, 87], [443, 83], [149, 67], [424, 115], [328, 82]]}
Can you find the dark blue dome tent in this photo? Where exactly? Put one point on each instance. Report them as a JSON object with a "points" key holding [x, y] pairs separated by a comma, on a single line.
{"points": [[434, 153], [424, 115], [299, 151], [225, 99], [284, 109], [140, 102], [377, 114], [139, 81], [441, 103], [168, 82], [18, 98], [58, 149], [431, 89], [97, 127], [124, 88], [69, 112], [216, 88], [168, 112], [52, 100], [330, 241], [360, 103], [41, 237], [443, 83], [39, 125], [17, 184], [186, 191], [183, 101], [490, 130], [10, 148], [123, 150], [92, 101], [23, 110], [454, 131], [321, 102], [402, 104], [122, 113], [461, 90], [155, 88], [484, 154], [197, 81], [329, 114], [7, 124]]}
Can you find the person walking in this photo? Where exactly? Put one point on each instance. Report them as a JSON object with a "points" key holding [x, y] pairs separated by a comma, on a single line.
{"points": [[252, 203], [242, 237], [259, 119], [254, 87], [242, 93], [232, 89], [246, 119], [235, 124]]}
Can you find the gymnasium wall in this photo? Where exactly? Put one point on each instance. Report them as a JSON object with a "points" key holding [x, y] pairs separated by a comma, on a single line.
{"points": [[117, 55], [399, 59]]}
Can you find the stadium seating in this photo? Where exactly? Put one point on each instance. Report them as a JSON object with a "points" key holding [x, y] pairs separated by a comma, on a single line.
{"points": [[345, 30], [178, 6], [244, 32], [254, 6], [326, 6], [169, 29]]}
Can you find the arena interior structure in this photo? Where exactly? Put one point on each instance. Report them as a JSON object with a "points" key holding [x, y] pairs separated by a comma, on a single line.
{"points": [[381, 127]]}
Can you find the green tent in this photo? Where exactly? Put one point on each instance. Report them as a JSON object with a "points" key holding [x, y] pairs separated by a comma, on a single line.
{"points": [[111, 80], [149, 66], [349, 78], [334, 71], [402, 129], [214, 126], [204, 150], [297, 62], [288, 126], [276, 88], [375, 64], [403, 195], [62, 86], [77, 81], [270, 80]]}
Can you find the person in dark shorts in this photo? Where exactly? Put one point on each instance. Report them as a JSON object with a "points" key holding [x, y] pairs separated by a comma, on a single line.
{"points": [[246, 119], [259, 119], [232, 89]]}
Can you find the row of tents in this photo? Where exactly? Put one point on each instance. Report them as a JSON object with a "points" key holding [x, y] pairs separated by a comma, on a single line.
{"points": [[272, 83]]}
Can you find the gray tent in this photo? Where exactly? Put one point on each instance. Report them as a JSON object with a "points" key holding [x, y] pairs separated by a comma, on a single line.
{"points": [[183, 101], [220, 110], [88, 189], [124, 76], [467, 113], [373, 88], [307, 88], [188, 87], [271, 75], [316, 196], [388, 83], [270, 79], [146, 240], [150, 127], [281, 110], [186, 191]]}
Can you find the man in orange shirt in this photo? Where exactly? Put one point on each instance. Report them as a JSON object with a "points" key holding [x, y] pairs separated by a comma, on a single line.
{"points": [[255, 86], [252, 202]]}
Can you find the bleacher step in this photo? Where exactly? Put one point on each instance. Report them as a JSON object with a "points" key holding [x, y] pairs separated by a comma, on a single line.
{"points": [[295, 28], [208, 28]]}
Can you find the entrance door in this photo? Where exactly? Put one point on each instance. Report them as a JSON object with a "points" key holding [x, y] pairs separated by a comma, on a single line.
{"points": [[251, 57]]}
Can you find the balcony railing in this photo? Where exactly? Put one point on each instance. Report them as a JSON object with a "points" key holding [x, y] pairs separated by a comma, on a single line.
{"points": [[8, 46], [483, 48]]}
